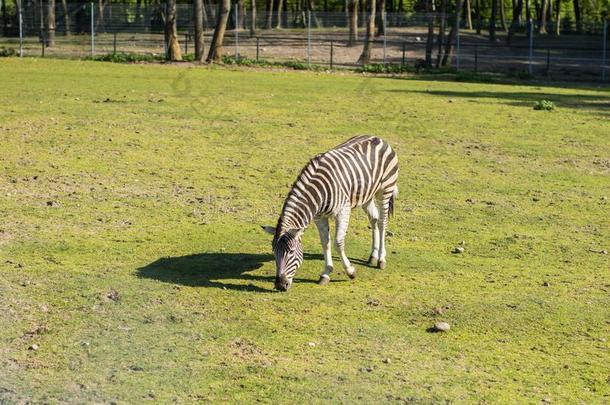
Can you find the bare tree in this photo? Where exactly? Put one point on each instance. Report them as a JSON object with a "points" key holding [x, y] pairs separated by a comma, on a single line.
{"points": [[514, 25], [215, 54], [51, 23], [199, 44], [543, 16], [365, 57], [278, 22], [241, 8], [441, 32], [558, 18], [382, 18], [64, 7], [171, 32], [430, 13], [492, 20], [353, 22], [502, 16], [269, 14], [453, 34], [478, 17], [468, 15], [253, 16]]}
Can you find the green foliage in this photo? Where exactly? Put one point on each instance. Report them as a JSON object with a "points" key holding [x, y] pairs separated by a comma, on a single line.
{"points": [[5, 52], [124, 57], [545, 105], [131, 253], [387, 68]]}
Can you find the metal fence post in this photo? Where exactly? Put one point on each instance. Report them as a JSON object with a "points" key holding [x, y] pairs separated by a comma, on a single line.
{"points": [[20, 31], [114, 43], [385, 42], [331, 54], [92, 31], [404, 50], [257, 47], [236, 33], [43, 40], [186, 43], [604, 50], [457, 49], [548, 61], [309, 37], [530, 31]]}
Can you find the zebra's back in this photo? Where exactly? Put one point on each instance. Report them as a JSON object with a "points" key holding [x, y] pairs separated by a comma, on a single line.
{"points": [[358, 169]]}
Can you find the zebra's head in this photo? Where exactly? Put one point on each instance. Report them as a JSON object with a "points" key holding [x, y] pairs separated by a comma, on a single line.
{"points": [[288, 252]]}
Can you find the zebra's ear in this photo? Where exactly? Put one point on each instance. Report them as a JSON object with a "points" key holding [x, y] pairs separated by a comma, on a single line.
{"points": [[269, 229]]}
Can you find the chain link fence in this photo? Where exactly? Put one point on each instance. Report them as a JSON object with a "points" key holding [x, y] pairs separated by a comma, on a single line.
{"points": [[308, 37]]}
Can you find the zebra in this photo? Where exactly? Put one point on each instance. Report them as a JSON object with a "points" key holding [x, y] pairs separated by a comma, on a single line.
{"points": [[363, 171]]}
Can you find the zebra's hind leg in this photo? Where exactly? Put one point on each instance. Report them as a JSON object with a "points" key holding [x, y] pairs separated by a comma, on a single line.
{"points": [[342, 220], [384, 212], [373, 213], [324, 230]]}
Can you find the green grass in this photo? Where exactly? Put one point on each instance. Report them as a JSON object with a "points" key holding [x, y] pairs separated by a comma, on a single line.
{"points": [[131, 252]]}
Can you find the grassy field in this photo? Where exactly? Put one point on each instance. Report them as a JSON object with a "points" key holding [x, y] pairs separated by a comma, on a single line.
{"points": [[133, 267]]}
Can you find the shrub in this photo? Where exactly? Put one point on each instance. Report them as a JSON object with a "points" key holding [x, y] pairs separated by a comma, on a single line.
{"points": [[544, 105], [122, 57], [4, 52]]}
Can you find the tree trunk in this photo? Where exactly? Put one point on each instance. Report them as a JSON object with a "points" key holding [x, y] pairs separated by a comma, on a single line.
{"points": [[278, 23], [199, 44], [441, 32], [492, 20], [353, 22], [138, 19], [99, 22], [502, 16], [478, 17], [514, 26], [51, 23], [558, 18], [312, 9], [241, 14], [542, 20], [468, 15], [528, 12], [64, 7], [401, 10], [215, 54], [430, 13], [269, 23], [174, 53], [253, 16], [453, 34], [577, 15], [365, 57], [382, 18]]}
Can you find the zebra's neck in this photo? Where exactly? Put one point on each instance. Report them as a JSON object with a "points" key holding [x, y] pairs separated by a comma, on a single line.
{"points": [[302, 203], [298, 212]]}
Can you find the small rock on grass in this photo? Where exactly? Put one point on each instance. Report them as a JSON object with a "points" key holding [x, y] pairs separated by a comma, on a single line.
{"points": [[34, 347], [441, 327], [387, 360], [311, 344]]}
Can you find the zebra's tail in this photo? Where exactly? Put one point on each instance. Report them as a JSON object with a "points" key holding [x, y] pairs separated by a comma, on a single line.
{"points": [[392, 198]]}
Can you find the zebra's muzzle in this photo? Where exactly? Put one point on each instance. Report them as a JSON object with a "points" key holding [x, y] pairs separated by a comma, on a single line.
{"points": [[282, 283]]}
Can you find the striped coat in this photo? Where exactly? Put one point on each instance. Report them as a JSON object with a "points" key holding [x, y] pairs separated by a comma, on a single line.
{"points": [[362, 171]]}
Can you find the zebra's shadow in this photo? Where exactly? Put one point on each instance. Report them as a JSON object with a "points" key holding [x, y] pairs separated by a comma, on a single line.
{"points": [[215, 270]]}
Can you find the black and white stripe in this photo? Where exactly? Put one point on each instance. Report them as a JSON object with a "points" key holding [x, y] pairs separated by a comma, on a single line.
{"points": [[362, 171]]}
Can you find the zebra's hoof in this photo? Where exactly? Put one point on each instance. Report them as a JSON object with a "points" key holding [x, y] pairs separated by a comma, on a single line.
{"points": [[381, 265], [323, 280], [351, 272], [373, 261]]}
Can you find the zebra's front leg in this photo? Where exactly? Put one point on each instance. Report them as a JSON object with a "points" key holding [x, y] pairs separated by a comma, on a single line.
{"points": [[324, 230], [342, 220]]}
